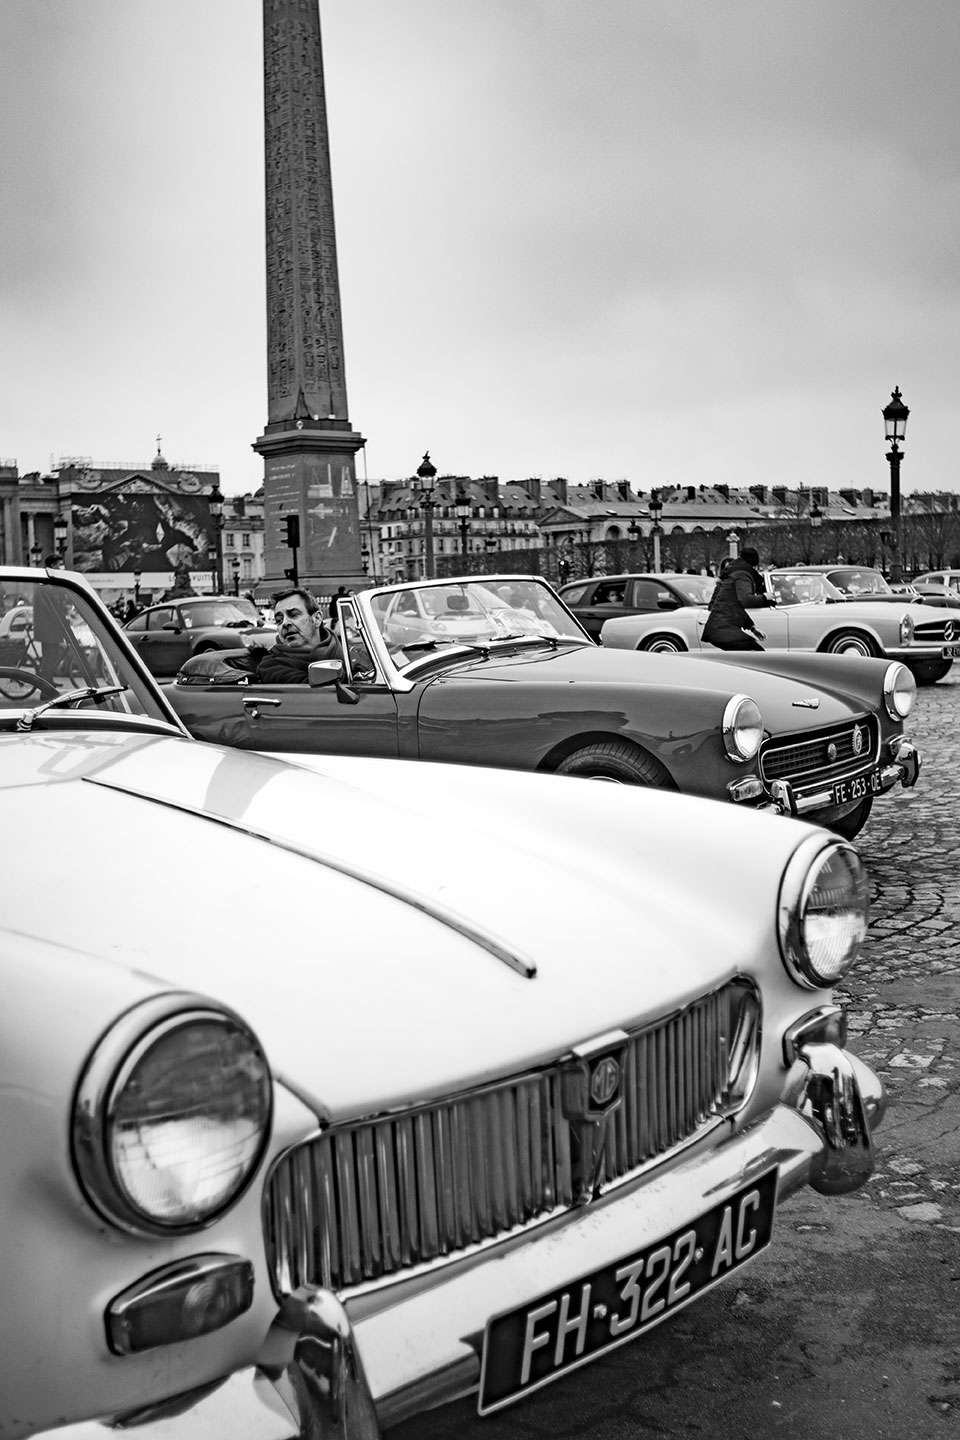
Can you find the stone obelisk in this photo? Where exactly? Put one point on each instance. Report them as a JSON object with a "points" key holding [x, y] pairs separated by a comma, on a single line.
{"points": [[308, 445]]}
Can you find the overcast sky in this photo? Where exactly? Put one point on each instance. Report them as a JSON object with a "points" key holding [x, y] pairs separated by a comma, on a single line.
{"points": [[671, 241]]}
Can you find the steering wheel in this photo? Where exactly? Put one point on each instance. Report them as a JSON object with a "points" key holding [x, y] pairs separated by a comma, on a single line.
{"points": [[11, 677]]}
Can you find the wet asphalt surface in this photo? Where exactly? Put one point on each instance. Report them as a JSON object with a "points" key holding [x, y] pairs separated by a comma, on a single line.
{"points": [[848, 1326]]}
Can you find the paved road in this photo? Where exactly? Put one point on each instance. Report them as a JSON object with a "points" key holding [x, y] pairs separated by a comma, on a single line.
{"points": [[848, 1328]]}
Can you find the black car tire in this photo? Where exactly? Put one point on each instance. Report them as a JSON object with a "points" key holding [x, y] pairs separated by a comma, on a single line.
{"points": [[662, 645], [619, 761], [928, 672], [850, 825], [850, 642]]}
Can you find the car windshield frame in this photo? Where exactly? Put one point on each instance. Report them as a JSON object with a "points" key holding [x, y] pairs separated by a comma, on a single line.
{"points": [[783, 584], [72, 644], [495, 611], [877, 584]]}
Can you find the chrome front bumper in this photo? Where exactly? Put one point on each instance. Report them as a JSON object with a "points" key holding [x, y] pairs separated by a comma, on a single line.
{"points": [[326, 1374], [904, 769]]}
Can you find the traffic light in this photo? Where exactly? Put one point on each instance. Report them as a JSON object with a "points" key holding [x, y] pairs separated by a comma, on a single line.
{"points": [[291, 531], [291, 573]]}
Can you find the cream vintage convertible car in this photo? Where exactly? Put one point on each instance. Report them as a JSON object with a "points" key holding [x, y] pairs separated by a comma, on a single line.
{"points": [[811, 613], [337, 1088]]}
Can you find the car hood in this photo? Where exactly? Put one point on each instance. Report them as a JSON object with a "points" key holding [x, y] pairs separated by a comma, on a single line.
{"points": [[778, 688], [377, 921]]}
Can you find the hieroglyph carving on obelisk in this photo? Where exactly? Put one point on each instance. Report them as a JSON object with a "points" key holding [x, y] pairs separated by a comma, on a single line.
{"points": [[308, 444]]}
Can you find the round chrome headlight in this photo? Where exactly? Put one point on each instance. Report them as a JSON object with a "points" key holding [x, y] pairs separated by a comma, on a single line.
{"points": [[899, 691], [742, 728], [906, 629], [172, 1116], [823, 911]]}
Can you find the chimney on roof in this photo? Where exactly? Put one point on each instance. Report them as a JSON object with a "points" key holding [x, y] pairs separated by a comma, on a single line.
{"points": [[760, 492], [597, 488], [623, 486], [691, 492], [723, 490], [779, 493]]}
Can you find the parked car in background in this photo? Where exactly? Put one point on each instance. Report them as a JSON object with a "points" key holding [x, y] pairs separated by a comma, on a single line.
{"points": [[604, 597], [854, 582], [863, 582], [586, 1076], [812, 614], [496, 671], [167, 635], [940, 585]]}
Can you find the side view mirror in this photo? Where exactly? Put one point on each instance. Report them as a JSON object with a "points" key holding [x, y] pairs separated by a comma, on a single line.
{"points": [[171, 625], [324, 672], [668, 604]]}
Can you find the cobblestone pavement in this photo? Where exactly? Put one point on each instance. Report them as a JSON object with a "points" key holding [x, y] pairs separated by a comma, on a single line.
{"points": [[848, 1327], [903, 995]]}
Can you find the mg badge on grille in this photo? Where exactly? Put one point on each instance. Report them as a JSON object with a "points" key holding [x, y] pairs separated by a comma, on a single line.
{"points": [[591, 1089], [605, 1081], [857, 739], [831, 752]]}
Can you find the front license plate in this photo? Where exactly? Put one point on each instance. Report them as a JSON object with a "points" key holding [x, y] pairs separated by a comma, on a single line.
{"points": [[858, 787], [527, 1348], [951, 652]]}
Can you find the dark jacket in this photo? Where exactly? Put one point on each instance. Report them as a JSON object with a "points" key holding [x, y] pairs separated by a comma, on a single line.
{"points": [[739, 590], [284, 665]]}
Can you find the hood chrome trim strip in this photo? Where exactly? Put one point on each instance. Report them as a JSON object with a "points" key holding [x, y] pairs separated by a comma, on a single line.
{"points": [[484, 938]]}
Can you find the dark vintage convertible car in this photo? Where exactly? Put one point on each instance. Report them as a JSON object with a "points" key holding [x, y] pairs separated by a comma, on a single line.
{"points": [[496, 671]]}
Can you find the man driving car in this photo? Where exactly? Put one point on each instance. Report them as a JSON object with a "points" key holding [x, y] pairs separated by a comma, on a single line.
{"points": [[302, 637]]}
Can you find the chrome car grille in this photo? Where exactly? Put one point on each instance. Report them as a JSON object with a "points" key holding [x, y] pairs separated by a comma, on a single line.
{"points": [[375, 1198], [825, 754], [942, 631]]}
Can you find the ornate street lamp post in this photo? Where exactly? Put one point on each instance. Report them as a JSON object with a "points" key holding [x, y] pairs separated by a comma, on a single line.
{"points": [[885, 538], [215, 501], [633, 535], [895, 428], [816, 520], [462, 510], [427, 476], [60, 528], [656, 510]]}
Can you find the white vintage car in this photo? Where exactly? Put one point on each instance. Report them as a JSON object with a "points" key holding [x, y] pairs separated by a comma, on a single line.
{"points": [[812, 613], [337, 1089]]}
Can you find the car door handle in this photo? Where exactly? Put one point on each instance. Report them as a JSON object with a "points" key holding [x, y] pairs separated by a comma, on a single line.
{"points": [[253, 704]]}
